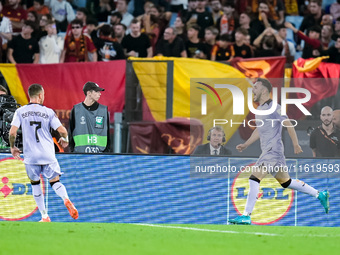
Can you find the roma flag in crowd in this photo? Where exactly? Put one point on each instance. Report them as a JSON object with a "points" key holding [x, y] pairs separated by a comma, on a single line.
{"points": [[319, 78], [152, 77], [63, 83]]}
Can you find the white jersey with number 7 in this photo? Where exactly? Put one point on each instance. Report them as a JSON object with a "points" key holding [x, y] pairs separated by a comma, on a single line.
{"points": [[35, 121]]}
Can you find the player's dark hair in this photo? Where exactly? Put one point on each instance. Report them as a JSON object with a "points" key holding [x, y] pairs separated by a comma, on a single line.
{"points": [[34, 90], [266, 84]]}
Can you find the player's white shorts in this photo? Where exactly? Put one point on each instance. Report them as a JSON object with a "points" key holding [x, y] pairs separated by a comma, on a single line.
{"points": [[50, 171]]}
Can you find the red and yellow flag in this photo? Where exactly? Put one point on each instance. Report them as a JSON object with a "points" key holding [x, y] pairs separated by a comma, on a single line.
{"points": [[63, 83]]}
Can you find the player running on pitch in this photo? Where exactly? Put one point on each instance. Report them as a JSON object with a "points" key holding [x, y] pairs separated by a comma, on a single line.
{"points": [[39, 155], [272, 154]]}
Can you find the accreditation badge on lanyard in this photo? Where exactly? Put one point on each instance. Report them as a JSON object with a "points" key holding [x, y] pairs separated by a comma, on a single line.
{"points": [[99, 122]]}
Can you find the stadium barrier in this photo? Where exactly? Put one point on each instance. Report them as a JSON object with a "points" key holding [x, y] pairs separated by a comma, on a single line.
{"points": [[169, 189]]}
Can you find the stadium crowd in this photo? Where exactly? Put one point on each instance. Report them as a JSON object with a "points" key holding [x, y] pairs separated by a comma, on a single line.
{"points": [[57, 31]]}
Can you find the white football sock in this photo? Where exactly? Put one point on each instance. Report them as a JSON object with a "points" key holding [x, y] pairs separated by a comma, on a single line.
{"points": [[254, 188], [60, 189], [303, 187], [39, 199]]}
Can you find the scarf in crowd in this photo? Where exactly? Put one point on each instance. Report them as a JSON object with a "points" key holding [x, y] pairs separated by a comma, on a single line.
{"points": [[79, 50]]}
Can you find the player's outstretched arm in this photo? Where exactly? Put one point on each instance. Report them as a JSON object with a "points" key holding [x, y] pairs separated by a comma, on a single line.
{"points": [[12, 136], [254, 136], [293, 136], [63, 141]]}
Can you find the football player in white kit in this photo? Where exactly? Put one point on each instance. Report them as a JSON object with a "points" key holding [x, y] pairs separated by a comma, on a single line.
{"points": [[272, 156], [39, 154]]}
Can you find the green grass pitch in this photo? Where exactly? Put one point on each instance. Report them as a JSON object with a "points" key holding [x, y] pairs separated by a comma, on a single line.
{"points": [[26, 238]]}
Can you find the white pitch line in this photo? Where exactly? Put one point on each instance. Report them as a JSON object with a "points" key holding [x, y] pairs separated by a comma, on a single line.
{"points": [[208, 230]]}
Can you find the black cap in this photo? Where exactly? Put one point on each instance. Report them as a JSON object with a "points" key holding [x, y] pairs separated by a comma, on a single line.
{"points": [[91, 86]]}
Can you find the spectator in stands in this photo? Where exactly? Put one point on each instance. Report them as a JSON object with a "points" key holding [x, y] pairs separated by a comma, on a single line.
{"points": [[210, 36], [336, 33], [263, 20], [326, 37], [147, 4], [313, 44], [63, 13], [78, 46], [137, 44], [325, 139], [163, 17], [244, 22], [335, 9], [103, 10], [312, 19], [17, 15], [43, 21], [81, 14], [151, 26], [315, 16], [222, 52], [216, 10], [39, 7], [91, 26], [51, 45], [194, 47], [33, 16], [180, 28], [239, 48], [288, 48], [122, 9], [107, 47], [333, 52], [192, 4], [116, 18], [336, 118], [227, 23], [24, 48], [277, 11], [119, 32], [5, 34], [171, 45], [268, 43], [327, 19], [201, 17], [216, 138]]}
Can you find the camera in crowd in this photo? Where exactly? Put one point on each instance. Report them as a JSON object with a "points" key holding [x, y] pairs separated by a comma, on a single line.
{"points": [[8, 106]]}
